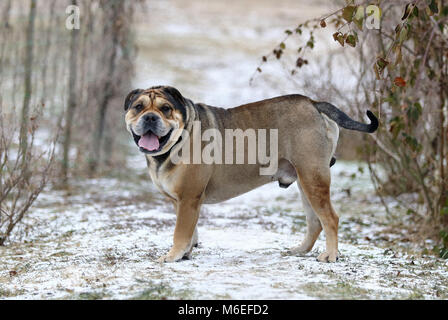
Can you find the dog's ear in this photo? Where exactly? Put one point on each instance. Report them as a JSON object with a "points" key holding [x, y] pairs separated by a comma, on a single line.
{"points": [[131, 97], [175, 94]]}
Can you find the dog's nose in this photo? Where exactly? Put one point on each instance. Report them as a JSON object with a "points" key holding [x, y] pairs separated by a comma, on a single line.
{"points": [[150, 118]]}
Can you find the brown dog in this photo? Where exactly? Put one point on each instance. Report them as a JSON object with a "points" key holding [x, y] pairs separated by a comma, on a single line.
{"points": [[161, 121]]}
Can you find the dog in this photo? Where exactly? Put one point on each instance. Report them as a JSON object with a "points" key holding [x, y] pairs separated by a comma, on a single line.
{"points": [[160, 120]]}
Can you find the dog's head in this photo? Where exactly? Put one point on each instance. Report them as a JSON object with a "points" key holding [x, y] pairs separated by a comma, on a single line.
{"points": [[152, 117]]}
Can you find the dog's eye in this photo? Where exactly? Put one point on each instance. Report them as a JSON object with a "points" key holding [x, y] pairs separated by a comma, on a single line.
{"points": [[138, 107], [165, 109]]}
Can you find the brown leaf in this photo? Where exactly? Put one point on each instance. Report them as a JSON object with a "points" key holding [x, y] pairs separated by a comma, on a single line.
{"points": [[341, 40], [398, 54], [348, 13], [339, 37], [400, 82], [382, 64], [351, 40], [323, 24], [335, 36]]}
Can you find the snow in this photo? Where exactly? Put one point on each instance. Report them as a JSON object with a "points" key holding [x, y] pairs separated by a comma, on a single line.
{"points": [[103, 241]]}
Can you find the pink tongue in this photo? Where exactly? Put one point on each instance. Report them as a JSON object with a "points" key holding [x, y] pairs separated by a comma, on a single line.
{"points": [[149, 141]]}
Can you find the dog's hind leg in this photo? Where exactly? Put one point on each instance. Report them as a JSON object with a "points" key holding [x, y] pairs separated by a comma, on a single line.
{"points": [[314, 228], [315, 182]]}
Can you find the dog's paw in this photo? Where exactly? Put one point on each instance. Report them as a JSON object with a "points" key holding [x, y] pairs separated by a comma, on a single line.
{"points": [[187, 256], [296, 251], [167, 258], [327, 257], [170, 257]]}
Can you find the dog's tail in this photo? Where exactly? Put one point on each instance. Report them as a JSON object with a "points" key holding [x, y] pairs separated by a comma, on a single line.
{"points": [[344, 120]]}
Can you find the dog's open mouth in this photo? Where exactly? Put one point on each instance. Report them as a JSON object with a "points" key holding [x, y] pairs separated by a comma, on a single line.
{"points": [[150, 142]]}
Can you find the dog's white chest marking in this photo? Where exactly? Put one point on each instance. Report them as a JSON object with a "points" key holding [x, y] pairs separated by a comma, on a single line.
{"points": [[162, 182]]}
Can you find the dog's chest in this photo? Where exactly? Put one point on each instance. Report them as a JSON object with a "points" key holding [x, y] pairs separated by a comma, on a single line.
{"points": [[162, 181]]}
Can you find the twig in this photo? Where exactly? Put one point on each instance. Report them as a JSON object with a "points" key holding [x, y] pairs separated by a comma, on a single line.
{"points": [[421, 73], [383, 147]]}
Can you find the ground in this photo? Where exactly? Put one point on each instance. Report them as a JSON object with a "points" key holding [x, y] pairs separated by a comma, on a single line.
{"points": [[102, 242], [101, 239]]}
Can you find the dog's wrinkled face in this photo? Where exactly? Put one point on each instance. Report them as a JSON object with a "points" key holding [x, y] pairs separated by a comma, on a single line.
{"points": [[153, 117]]}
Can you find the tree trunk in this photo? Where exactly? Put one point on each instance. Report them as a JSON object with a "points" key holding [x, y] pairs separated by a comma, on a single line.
{"points": [[27, 81], [71, 104], [94, 158], [47, 47], [6, 32]]}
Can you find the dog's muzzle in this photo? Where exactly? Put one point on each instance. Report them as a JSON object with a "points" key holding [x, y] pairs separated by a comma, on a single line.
{"points": [[153, 136]]}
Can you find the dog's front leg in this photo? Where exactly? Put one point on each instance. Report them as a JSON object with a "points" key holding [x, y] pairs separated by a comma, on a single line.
{"points": [[187, 218]]}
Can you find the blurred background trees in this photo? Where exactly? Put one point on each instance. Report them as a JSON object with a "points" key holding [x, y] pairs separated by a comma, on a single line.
{"points": [[57, 86]]}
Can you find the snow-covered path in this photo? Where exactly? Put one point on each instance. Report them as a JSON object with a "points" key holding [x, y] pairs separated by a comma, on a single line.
{"points": [[102, 241]]}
